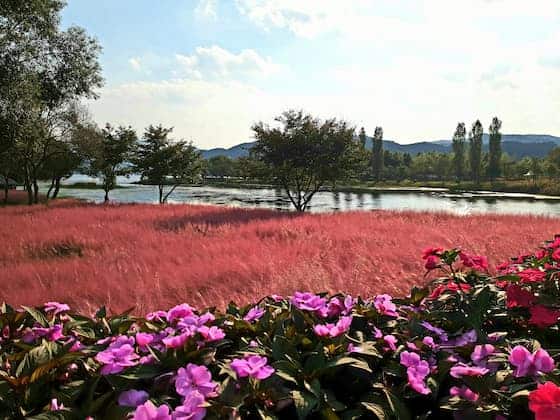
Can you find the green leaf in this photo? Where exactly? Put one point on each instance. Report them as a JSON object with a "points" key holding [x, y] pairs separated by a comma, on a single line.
{"points": [[37, 316], [350, 362], [376, 409], [397, 405], [305, 402]]}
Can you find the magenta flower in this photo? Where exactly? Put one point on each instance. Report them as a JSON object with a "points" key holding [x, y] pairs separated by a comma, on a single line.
{"points": [[211, 334], [50, 334], [133, 398], [480, 353], [148, 411], [333, 330], [253, 366], [385, 305], [417, 370], [254, 314], [56, 308], [180, 311], [55, 406], [528, 364], [195, 378], [391, 340], [429, 341], [156, 316], [192, 408], [144, 339], [176, 341], [463, 392], [461, 369], [117, 359], [442, 335], [308, 301], [464, 339]]}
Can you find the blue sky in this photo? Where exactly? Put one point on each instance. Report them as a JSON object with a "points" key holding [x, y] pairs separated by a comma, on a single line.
{"points": [[211, 68]]}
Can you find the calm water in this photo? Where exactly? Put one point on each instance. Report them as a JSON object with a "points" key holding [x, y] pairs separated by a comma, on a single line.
{"points": [[464, 203]]}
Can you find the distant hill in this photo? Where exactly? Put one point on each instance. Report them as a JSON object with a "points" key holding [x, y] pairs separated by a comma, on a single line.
{"points": [[515, 145]]}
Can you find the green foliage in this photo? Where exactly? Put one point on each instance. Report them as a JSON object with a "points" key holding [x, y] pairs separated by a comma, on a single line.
{"points": [[306, 153], [459, 151], [475, 151], [377, 154], [495, 149]]}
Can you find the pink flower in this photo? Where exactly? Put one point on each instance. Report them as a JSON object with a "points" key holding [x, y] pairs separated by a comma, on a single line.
{"points": [[432, 251], [51, 334], [133, 398], [176, 341], [117, 358], [543, 317], [545, 401], [55, 406], [308, 301], [385, 305], [528, 364], [334, 330], [156, 316], [56, 308], [476, 262], [143, 339], [391, 340], [180, 311], [417, 370], [195, 378], [432, 262], [463, 392], [254, 314], [532, 275], [211, 334], [481, 352], [193, 407], [460, 370], [556, 254], [148, 411], [253, 366]]}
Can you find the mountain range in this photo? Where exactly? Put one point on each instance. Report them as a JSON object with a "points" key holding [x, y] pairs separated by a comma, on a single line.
{"points": [[516, 145]]}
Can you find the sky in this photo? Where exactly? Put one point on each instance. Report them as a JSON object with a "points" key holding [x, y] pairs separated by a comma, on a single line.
{"points": [[212, 68]]}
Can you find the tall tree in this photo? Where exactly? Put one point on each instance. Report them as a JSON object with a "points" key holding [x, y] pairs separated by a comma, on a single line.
{"points": [[459, 151], [43, 71], [377, 153], [475, 151], [362, 136], [163, 162], [495, 149], [305, 153], [111, 156]]}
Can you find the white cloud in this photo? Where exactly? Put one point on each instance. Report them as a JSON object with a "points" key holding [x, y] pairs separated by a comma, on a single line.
{"points": [[135, 63], [206, 9], [217, 62]]}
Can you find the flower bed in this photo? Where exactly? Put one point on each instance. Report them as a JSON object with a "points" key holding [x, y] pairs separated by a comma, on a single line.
{"points": [[468, 346]]}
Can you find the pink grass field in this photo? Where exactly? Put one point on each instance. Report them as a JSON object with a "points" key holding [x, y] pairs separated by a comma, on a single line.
{"points": [[154, 257]]}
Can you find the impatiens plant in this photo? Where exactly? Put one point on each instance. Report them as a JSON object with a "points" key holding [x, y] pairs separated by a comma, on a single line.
{"points": [[470, 345]]}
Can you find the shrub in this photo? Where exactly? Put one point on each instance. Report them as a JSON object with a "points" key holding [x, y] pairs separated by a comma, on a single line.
{"points": [[470, 345]]}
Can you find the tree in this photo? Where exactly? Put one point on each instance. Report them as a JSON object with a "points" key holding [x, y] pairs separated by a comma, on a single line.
{"points": [[163, 162], [111, 156], [377, 153], [554, 160], [459, 151], [305, 153], [475, 151], [495, 149], [362, 136], [221, 167], [43, 71]]}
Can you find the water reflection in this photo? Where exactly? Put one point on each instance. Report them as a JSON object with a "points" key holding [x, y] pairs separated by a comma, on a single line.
{"points": [[334, 201]]}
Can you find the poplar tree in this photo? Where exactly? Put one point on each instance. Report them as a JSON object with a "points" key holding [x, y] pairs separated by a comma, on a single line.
{"points": [[377, 158], [459, 151], [495, 149]]}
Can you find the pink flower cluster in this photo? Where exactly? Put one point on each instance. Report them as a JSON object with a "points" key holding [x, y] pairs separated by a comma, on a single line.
{"points": [[253, 366]]}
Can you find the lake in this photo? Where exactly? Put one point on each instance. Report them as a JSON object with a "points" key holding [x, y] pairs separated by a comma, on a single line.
{"points": [[418, 200]]}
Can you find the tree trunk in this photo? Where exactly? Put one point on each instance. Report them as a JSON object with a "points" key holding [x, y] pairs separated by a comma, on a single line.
{"points": [[35, 192], [160, 187], [6, 191], [56, 188], [106, 196], [50, 189]]}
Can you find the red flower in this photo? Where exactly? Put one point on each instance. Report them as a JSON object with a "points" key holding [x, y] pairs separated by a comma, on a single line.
{"points": [[451, 286], [543, 317], [502, 284], [431, 262], [555, 244], [545, 402], [540, 254], [532, 275], [431, 251], [476, 262], [517, 296], [556, 254]]}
